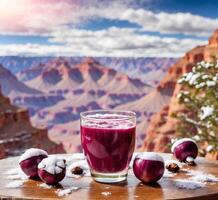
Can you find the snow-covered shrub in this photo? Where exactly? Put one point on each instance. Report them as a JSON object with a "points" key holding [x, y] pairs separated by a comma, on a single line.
{"points": [[200, 100]]}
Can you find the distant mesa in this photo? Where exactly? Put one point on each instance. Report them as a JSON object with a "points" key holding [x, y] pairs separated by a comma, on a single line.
{"points": [[149, 70], [87, 75]]}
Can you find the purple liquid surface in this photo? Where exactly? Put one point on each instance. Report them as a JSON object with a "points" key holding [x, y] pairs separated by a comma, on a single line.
{"points": [[108, 150]]}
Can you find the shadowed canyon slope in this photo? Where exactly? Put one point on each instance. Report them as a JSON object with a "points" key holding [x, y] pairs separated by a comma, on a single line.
{"points": [[17, 133], [11, 86], [163, 127]]}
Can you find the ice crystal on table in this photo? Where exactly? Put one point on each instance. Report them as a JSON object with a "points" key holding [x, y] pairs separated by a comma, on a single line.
{"points": [[201, 176], [190, 159], [188, 184], [65, 192], [168, 174], [15, 184], [15, 174], [17, 177], [13, 171], [205, 178], [106, 193], [44, 185], [75, 157]]}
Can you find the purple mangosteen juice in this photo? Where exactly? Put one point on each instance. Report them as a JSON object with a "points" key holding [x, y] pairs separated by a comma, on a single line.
{"points": [[108, 141]]}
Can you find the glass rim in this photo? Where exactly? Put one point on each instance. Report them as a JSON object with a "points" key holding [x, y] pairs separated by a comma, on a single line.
{"points": [[126, 114]]}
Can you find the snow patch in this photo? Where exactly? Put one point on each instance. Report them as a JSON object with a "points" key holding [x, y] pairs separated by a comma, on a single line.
{"points": [[17, 177], [188, 184], [150, 156], [66, 192], [196, 138], [15, 174], [209, 148], [15, 184], [31, 153], [190, 159], [13, 171], [180, 141], [106, 193], [44, 185], [168, 174], [52, 165], [207, 111], [75, 156], [211, 83], [82, 164], [201, 176]]}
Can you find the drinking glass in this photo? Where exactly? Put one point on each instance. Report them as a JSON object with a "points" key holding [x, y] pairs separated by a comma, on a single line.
{"points": [[108, 141]]}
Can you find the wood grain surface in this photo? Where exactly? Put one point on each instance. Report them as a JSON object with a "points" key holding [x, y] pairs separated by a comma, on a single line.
{"points": [[131, 189]]}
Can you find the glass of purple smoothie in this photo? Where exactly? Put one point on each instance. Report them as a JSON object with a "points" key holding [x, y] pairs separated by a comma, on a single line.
{"points": [[108, 141]]}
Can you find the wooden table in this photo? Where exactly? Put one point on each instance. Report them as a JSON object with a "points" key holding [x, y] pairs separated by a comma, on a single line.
{"points": [[132, 189]]}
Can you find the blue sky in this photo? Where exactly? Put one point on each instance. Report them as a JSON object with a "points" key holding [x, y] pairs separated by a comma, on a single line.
{"points": [[124, 28], [198, 7]]}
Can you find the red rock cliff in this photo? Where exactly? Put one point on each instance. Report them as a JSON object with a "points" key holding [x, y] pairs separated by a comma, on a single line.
{"points": [[17, 133], [163, 127]]}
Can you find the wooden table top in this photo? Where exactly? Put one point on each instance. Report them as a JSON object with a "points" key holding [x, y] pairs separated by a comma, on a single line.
{"points": [[132, 189]]}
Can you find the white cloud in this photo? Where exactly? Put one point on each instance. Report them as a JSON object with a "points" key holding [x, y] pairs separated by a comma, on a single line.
{"points": [[110, 42], [163, 22], [52, 18], [42, 17], [26, 17]]}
